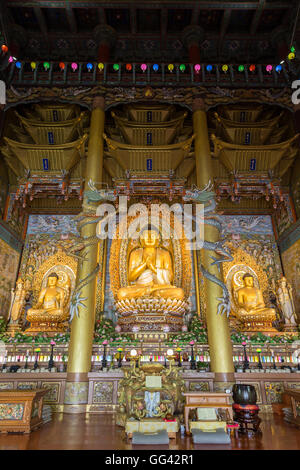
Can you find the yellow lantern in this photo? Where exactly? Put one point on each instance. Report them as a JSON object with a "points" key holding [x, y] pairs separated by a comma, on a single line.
{"points": [[101, 66], [291, 56], [171, 67], [33, 65]]}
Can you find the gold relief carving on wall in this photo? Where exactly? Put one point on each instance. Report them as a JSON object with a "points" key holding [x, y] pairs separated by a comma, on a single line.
{"points": [[199, 386], [103, 392], [52, 396], [274, 391]]}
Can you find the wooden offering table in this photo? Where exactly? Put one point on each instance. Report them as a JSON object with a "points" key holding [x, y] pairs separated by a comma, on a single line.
{"points": [[205, 400], [21, 410], [294, 396]]}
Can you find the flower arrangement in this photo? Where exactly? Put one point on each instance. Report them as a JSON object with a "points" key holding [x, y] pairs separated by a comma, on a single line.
{"points": [[106, 330]]}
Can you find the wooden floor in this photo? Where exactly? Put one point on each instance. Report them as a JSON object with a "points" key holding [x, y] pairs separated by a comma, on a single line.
{"points": [[100, 432]]}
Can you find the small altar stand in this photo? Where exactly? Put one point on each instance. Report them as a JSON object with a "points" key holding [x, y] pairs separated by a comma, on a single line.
{"points": [[21, 410]]}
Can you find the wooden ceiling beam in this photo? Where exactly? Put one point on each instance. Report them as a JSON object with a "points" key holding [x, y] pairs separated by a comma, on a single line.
{"points": [[71, 18], [41, 20], [257, 16], [133, 20], [224, 27]]}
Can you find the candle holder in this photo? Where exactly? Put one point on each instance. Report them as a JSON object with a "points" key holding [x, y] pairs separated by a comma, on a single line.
{"points": [[36, 364], [51, 361], [104, 360], [26, 361], [193, 362], [246, 363], [260, 366], [120, 356], [179, 357]]}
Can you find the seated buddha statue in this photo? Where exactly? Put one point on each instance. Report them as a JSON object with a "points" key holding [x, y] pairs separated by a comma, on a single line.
{"points": [[150, 271], [251, 304], [50, 306]]}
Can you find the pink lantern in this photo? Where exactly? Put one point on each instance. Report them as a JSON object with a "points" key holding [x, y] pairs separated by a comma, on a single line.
{"points": [[74, 66], [197, 68], [11, 59], [144, 67], [269, 68]]}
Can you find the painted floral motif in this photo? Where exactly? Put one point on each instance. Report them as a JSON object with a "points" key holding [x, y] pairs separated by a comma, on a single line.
{"points": [[11, 411]]}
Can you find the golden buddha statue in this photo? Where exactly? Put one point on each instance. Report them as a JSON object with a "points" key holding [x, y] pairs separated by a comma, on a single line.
{"points": [[252, 310], [51, 309], [150, 271]]}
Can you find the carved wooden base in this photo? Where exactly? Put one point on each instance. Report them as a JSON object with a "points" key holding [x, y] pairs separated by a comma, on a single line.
{"points": [[12, 329], [151, 322], [255, 325], [51, 327], [247, 417]]}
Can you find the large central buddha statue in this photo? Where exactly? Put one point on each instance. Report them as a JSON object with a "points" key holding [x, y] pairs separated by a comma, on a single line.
{"points": [[250, 301], [150, 270]]}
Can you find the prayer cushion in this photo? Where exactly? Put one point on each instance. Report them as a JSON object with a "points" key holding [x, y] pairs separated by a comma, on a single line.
{"points": [[219, 436], [157, 437]]}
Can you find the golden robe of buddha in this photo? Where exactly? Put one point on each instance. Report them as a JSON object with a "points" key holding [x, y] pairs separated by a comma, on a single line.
{"points": [[51, 300], [150, 271], [251, 302]]}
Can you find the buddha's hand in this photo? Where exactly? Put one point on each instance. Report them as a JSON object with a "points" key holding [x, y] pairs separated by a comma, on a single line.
{"points": [[150, 264]]}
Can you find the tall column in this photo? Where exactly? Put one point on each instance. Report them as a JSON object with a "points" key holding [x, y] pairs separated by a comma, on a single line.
{"points": [[217, 325], [82, 328], [106, 37]]}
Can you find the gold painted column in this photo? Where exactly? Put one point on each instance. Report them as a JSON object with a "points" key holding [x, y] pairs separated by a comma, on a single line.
{"points": [[82, 328], [217, 325]]}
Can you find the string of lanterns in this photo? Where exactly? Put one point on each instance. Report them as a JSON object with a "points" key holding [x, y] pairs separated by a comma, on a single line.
{"points": [[155, 67]]}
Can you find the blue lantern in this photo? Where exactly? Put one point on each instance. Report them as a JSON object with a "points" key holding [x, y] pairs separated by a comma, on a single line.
{"points": [[18, 64], [278, 68], [155, 67], [209, 68], [89, 66]]}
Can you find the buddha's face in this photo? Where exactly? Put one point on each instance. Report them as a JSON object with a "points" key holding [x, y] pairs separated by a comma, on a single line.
{"points": [[248, 281], [149, 238], [52, 281]]}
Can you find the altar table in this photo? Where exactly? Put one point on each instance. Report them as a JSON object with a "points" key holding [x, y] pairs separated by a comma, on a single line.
{"points": [[21, 410], [205, 400]]}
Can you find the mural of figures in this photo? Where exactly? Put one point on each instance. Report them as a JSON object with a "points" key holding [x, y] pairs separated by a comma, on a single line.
{"points": [[284, 215], [16, 216], [46, 235], [9, 262], [254, 235], [291, 264]]}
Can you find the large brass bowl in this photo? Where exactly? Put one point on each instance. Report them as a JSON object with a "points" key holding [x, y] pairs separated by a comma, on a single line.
{"points": [[152, 367]]}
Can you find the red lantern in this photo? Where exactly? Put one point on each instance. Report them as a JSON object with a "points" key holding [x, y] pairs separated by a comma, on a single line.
{"points": [[252, 68], [4, 48], [62, 66], [128, 67]]}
